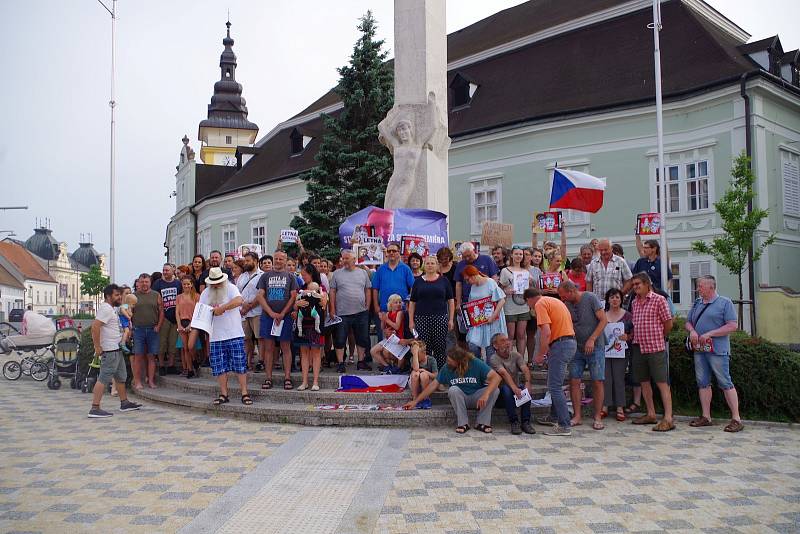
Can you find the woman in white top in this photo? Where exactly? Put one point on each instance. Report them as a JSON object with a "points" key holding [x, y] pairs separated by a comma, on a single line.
{"points": [[514, 280]]}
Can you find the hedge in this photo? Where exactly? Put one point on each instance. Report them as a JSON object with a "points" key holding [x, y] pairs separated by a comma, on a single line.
{"points": [[766, 376]]}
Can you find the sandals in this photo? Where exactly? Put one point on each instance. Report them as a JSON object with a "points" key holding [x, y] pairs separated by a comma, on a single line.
{"points": [[603, 414], [315, 388], [287, 384], [302, 387], [664, 426], [462, 429], [222, 399], [734, 426], [701, 421], [486, 429], [644, 420], [246, 400], [620, 417], [597, 425], [267, 384], [633, 408]]}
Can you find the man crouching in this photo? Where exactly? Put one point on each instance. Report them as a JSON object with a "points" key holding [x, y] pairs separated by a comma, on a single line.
{"points": [[227, 354]]}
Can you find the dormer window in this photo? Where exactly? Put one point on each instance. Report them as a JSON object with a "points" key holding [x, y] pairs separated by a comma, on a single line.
{"points": [[463, 89], [298, 141]]}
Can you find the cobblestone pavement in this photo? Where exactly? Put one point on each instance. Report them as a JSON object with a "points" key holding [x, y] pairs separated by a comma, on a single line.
{"points": [[163, 470]]}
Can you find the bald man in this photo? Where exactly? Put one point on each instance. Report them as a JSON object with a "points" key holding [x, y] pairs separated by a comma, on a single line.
{"points": [[607, 271]]}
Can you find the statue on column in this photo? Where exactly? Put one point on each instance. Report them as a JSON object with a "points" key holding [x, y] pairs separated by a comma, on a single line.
{"points": [[408, 131]]}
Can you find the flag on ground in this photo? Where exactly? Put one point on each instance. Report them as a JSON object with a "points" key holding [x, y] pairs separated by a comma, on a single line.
{"points": [[576, 191], [372, 383]]}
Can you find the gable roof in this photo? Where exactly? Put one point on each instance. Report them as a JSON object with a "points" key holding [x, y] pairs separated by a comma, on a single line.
{"points": [[24, 262], [602, 66], [7, 279]]}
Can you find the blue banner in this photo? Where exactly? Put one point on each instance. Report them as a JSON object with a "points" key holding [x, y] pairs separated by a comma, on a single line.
{"points": [[392, 225]]}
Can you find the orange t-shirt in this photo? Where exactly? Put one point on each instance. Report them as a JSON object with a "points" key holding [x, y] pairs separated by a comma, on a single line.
{"points": [[552, 311]]}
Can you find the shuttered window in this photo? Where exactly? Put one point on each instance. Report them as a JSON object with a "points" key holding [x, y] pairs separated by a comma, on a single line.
{"points": [[790, 169]]}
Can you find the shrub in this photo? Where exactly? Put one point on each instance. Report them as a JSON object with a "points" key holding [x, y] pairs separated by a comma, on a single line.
{"points": [[766, 376]]}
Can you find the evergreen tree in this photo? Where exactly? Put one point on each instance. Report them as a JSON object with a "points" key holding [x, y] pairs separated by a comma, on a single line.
{"points": [[353, 168], [731, 249]]}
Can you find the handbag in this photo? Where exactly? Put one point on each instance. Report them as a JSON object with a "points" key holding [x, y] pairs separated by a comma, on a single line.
{"points": [[687, 343]]}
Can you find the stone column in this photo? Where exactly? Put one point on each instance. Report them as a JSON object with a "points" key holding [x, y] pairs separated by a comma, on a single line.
{"points": [[415, 129]]}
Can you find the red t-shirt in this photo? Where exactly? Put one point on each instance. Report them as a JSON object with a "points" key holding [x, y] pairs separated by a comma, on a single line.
{"points": [[397, 318], [579, 279]]}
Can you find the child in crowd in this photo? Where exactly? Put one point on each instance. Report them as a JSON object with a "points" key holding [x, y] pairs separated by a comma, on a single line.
{"points": [[387, 362], [129, 301], [312, 315], [184, 310], [423, 370], [577, 273]]}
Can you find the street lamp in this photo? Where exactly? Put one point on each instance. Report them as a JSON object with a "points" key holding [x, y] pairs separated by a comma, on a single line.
{"points": [[112, 104]]}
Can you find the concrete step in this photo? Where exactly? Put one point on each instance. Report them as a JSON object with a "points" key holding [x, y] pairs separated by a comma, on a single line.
{"points": [[308, 414], [209, 388]]}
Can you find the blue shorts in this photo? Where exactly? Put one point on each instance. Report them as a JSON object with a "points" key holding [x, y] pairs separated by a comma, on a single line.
{"points": [[265, 327], [596, 362], [706, 363], [145, 341], [228, 356]]}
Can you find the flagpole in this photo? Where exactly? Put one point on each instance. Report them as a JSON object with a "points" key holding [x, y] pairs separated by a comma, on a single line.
{"points": [[662, 205]]}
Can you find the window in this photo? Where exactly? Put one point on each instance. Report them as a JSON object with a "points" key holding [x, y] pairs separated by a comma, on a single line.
{"points": [[228, 139], [462, 90], [790, 170], [696, 270], [228, 238], [298, 141], [485, 203], [258, 232], [204, 242], [697, 185], [673, 190], [37, 297], [689, 181], [676, 283]]}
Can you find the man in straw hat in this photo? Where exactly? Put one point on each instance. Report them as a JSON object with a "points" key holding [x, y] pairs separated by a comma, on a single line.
{"points": [[227, 354]]}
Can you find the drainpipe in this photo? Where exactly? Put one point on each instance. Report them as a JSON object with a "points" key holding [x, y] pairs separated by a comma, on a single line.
{"points": [[194, 230], [748, 143]]}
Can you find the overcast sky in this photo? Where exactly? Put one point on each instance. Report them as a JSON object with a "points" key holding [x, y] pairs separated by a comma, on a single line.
{"points": [[54, 147]]}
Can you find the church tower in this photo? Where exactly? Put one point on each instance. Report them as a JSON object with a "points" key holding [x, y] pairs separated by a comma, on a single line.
{"points": [[226, 126]]}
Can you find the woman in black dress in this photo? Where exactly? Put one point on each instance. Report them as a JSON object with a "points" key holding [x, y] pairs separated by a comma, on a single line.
{"points": [[431, 308]]}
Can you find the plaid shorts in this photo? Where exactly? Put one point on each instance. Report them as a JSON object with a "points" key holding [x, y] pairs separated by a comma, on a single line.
{"points": [[228, 356]]}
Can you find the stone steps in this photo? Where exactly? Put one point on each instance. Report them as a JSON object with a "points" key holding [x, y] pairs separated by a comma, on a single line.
{"points": [[326, 395]]}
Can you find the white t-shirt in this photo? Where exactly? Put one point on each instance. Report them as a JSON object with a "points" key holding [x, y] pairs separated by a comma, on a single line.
{"points": [[229, 324], [110, 334], [247, 283]]}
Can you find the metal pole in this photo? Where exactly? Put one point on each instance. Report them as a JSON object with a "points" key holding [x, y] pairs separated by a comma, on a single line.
{"points": [[662, 208], [112, 103]]}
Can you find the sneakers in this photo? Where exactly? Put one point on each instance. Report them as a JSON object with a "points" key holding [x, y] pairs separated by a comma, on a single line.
{"points": [[546, 420], [515, 428], [424, 404], [97, 413], [363, 366], [528, 428], [341, 368], [558, 431], [127, 406]]}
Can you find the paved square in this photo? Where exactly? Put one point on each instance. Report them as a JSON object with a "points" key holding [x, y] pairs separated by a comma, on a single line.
{"points": [[163, 470]]}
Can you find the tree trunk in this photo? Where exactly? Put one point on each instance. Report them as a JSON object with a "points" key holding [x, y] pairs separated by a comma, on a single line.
{"points": [[741, 304]]}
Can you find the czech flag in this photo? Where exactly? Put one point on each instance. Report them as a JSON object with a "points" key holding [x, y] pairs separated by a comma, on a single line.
{"points": [[576, 191], [373, 383]]}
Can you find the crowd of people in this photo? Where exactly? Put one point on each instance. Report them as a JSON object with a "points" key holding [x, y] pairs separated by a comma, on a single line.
{"points": [[475, 324]]}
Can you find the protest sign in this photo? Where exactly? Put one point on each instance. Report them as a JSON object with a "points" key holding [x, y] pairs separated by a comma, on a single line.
{"points": [[243, 250], [615, 347], [369, 253], [289, 235], [477, 312], [495, 233], [548, 222], [413, 243], [648, 224], [392, 225], [550, 280], [361, 232]]}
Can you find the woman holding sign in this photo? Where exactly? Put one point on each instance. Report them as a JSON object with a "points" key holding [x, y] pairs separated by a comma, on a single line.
{"points": [[484, 311], [617, 329], [514, 280]]}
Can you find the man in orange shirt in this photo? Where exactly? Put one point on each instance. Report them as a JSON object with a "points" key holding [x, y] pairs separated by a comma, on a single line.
{"points": [[556, 338]]}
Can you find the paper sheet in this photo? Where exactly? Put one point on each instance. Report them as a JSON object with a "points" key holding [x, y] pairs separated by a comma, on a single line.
{"points": [[524, 397], [276, 328], [202, 317], [392, 344]]}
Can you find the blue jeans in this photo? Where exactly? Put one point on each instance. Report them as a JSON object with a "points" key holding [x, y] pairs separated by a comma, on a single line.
{"points": [[476, 351], [511, 406], [561, 354], [706, 363], [596, 362]]}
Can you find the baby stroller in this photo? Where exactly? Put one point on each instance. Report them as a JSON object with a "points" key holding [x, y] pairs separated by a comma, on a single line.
{"points": [[33, 365], [64, 363]]}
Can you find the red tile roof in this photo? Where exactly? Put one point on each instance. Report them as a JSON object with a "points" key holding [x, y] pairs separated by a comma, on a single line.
{"points": [[24, 262], [7, 280]]}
